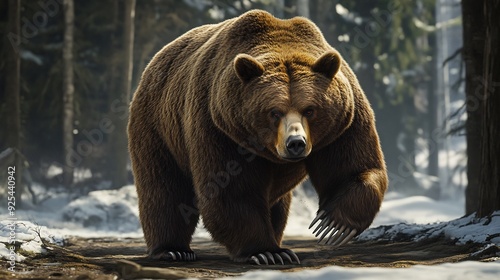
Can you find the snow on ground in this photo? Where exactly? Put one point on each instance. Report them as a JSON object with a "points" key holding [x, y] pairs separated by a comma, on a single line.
{"points": [[463, 270], [99, 214], [110, 210], [114, 213], [30, 237], [417, 209], [462, 230]]}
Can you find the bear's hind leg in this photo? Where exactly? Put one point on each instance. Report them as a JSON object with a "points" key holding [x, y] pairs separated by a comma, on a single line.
{"points": [[167, 206]]}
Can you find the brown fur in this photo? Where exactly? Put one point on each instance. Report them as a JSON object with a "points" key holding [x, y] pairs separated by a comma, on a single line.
{"points": [[202, 138]]}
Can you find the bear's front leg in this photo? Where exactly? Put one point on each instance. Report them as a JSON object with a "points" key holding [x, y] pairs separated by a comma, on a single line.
{"points": [[349, 211], [233, 202], [350, 178]]}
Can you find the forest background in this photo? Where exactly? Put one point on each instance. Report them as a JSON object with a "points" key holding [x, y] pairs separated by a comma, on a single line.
{"points": [[69, 69]]}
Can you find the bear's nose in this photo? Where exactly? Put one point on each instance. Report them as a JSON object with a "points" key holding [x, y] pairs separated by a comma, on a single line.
{"points": [[295, 145]]}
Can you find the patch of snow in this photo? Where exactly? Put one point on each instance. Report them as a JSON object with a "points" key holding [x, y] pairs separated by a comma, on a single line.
{"points": [[462, 230], [462, 270], [417, 209], [29, 235], [109, 210], [67, 217]]}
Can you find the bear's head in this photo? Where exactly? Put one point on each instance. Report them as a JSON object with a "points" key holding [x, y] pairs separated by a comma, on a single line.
{"points": [[293, 104]]}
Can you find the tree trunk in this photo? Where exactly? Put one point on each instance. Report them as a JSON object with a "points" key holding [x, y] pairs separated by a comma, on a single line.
{"points": [[303, 8], [482, 63], [320, 12], [279, 8], [12, 92], [473, 54], [68, 93], [119, 153], [289, 12], [432, 104], [489, 183], [433, 125]]}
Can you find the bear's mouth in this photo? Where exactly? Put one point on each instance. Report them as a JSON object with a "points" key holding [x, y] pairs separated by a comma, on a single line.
{"points": [[294, 159]]}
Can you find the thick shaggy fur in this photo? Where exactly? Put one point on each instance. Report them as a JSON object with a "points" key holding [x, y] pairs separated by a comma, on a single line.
{"points": [[205, 137]]}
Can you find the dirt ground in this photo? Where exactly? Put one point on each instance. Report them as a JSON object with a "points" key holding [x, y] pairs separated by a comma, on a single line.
{"points": [[106, 258]]}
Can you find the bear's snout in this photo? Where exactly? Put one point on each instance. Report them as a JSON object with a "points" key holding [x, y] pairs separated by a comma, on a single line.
{"points": [[293, 137], [295, 145]]}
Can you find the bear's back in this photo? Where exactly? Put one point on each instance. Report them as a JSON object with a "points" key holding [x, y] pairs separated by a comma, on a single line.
{"points": [[257, 33], [254, 33], [258, 30]]}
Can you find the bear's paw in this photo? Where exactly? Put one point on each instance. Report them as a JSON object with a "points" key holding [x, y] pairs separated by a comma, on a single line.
{"points": [[276, 257], [339, 233], [179, 256]]}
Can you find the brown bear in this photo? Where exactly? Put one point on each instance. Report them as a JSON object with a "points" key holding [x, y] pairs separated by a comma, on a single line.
{"points": [[230, 117]]}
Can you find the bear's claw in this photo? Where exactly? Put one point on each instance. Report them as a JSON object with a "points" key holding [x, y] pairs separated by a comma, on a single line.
{"points": [[270, 258], [319, 216], [177, 256], [339, 234]]}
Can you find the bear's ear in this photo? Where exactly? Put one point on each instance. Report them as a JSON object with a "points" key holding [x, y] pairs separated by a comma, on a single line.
{"points": [[247, 67], [328, 64]]}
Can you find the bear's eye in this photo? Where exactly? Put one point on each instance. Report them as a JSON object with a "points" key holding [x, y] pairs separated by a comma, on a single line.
{"points": [[308, 113], [276, 114]]}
